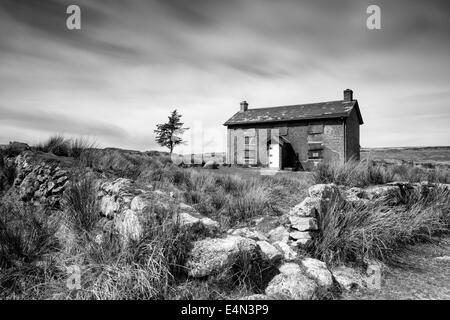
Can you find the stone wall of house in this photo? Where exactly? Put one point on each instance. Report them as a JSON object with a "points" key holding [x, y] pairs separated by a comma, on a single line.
{"points": [[263, 156], [334, 143], [352, 137], [229, 144], [298, 134], [236, 145]]}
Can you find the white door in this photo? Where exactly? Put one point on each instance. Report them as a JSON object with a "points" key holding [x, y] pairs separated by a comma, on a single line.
{"points": [[274, 156]]}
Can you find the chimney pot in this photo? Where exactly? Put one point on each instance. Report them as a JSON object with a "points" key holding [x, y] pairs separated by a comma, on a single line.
{"points": [[348, 95], [244, 106]]}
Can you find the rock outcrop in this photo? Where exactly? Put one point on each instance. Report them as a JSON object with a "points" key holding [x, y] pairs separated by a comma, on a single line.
{"points": [[348, 278], [248, 233], [318, 270], [356, 196], [377, 192], [279, 234], [195, 221], [213, 255], [373, 275], [291, 283], [289, 267], [211, 164], [288, 252], [269, 252], [394, 191], [356, 278]]}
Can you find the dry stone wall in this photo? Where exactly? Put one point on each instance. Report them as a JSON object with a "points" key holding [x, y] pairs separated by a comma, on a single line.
{"points": [[39, 181]]}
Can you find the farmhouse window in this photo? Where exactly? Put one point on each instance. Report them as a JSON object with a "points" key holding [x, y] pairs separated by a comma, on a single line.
{"points": [[315, 154], [315, 128], [283, 131], [315, 146], [315, 150], [249, 150]]}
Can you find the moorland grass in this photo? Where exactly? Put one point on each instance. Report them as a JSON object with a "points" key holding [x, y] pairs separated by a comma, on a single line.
{"points": [[378, 230], [34, 260], [365, 173]]}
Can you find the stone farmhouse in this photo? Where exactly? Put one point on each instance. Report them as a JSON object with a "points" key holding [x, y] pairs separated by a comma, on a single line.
{"points": [[295, 137]]}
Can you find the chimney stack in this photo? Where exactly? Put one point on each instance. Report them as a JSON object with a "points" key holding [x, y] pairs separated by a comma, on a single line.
{"points": [[348, 95], [244, 106]]}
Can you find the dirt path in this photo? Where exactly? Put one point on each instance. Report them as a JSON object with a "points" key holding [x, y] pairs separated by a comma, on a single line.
{"points": [[425, 276]]}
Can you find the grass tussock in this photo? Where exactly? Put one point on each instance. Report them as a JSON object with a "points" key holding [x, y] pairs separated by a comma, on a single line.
{"points": [[379, 231], [251, 272], [77, 148], [141, 270], [80, 201], [25, 235], [34, 265], [365, 173], [27, 242], [80, 147], [56, 144]]}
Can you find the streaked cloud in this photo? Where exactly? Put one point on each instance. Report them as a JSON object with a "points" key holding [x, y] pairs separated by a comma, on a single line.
{"points": [[135, 61]]}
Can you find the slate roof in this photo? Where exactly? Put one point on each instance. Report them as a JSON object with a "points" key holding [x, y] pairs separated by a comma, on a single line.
{"points": [[320, 110]]}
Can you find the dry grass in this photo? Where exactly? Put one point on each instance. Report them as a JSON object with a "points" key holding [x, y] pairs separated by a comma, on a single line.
{"points": [[418, 275], [34, 265], [77, 148], [24, 234], [379, 230], [80, 201], [33, 260], [57, 144], [229, 198], [364, 173], [127, 164], [27, 241], [7, 175], [81, 147], [430, 155]]}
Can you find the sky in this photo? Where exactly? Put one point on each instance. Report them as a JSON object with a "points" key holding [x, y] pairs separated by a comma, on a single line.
{"points": [[134, 61]]}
